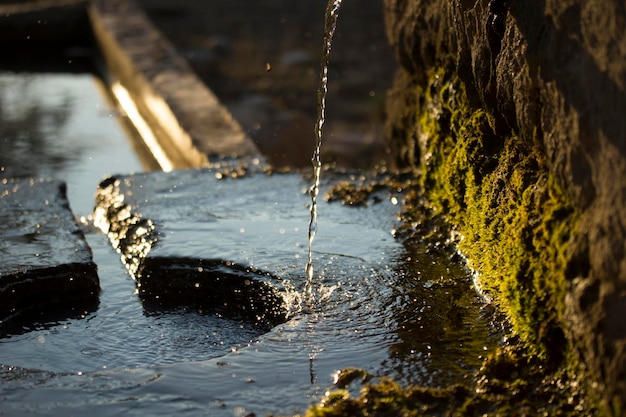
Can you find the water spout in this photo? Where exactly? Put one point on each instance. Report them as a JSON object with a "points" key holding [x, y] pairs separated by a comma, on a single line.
{"points": [[330, 24]]}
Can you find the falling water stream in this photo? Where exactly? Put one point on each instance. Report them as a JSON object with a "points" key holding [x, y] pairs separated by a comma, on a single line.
{"points": [[330, 24]]}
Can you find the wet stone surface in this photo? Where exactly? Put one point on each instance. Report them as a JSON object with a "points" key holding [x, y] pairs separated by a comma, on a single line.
{"points": [[165, 227], [193, 238], [44, 258]]}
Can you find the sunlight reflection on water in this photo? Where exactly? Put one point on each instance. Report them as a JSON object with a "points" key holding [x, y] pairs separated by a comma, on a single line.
{"points": [[61, 126]]}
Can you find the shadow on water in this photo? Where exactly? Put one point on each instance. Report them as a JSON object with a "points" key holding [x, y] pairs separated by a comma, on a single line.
{"points": [[216, 287], [47, 317]]}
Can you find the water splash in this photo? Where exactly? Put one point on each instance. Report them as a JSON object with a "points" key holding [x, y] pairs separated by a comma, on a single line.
{"points": [[330, 24]]}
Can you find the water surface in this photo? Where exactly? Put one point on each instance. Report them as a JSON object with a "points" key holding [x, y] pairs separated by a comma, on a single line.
{"points": [[390, 307], [62, 126]]}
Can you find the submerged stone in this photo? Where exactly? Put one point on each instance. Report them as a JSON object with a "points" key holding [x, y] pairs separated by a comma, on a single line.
{"points": [[231, 240], [45, 259], [230, 288], [189, 238]]}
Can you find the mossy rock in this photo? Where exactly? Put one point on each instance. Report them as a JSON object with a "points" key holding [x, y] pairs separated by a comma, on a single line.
{"points": [[515, 221], [547, 193], [510, 383]]}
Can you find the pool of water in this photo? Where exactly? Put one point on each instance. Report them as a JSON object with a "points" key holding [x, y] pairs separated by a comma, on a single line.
{"points": [[390, 307], [63, 126]]}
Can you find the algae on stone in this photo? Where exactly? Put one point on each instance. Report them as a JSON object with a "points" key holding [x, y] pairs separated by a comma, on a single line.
{"points": [[510, 382], [514, 220]]}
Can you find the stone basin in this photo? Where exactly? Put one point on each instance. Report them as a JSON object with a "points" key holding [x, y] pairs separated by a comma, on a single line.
{"points": [[220, 242]]}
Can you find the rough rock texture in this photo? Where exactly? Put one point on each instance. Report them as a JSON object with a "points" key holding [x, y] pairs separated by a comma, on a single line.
{"points": [[526, 101]]}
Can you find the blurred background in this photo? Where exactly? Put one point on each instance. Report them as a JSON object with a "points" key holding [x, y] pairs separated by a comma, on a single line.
{"points": [[232, 44]]}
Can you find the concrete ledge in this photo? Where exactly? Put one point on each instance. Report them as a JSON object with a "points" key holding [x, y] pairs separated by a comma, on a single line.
{"points": [[44, 256], [188, 122], [170, 275]]}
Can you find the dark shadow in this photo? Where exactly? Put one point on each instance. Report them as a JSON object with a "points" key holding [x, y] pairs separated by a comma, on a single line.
{"points": [[47, 289], [48, 315], [212, 286]]}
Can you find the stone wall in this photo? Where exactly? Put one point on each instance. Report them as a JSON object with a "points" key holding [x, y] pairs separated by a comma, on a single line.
{"points": [[513, 115]]}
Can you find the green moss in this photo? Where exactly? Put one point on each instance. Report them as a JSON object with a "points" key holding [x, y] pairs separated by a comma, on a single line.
{"points": [[515, 221], [511, 382], [387, 399]]}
